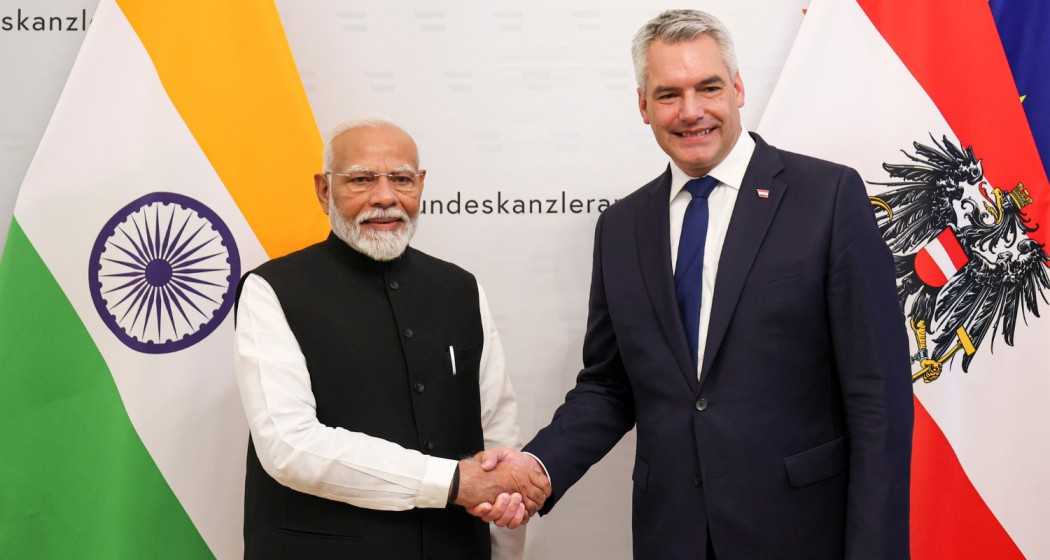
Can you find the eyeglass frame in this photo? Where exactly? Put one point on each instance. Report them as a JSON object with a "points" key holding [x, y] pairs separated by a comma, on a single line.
{"points": [[415, 173]]}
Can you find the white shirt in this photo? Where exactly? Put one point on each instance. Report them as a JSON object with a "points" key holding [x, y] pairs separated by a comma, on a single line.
{"points": [[338, 464], [730, 174]]}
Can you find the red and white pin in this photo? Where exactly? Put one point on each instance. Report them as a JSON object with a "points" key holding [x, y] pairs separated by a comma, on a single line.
{"points": [[762, 193]]}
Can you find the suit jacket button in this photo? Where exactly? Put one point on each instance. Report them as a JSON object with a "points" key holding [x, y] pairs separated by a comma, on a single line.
{"points": [[394, 285], [697, 482], [409, 333], [419, 387], [429, 446], [701, 404]]}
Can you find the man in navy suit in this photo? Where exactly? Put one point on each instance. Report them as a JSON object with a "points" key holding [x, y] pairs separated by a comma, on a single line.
{"points": [[743, 316]]}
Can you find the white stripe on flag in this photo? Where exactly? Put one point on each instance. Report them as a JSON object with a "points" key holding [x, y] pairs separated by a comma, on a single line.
{"points": [[941, 259]]}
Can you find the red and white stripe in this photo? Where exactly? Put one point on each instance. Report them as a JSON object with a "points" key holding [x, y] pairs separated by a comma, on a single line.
{"points": [[940, 259], [896, 72]]}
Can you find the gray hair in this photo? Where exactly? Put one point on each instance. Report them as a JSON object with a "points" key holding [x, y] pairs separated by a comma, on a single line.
{"points": [[679, 26], [347, 126]]}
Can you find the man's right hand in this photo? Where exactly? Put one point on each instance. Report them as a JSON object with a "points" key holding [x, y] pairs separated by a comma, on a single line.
{"points": [[501, 509]]}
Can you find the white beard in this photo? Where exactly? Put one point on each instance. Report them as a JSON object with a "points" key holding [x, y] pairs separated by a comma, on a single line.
{"points": [[379, 245]]}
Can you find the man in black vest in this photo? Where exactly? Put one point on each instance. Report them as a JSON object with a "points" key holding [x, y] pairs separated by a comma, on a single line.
{"points": [[367, 370]]}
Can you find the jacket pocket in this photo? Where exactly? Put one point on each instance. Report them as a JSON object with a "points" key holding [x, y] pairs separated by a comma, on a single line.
{"points": [[818, 463], [318, 534], [306, 515], [640, 475], [462, 360]]}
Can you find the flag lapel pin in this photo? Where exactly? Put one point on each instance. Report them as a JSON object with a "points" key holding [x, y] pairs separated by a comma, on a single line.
{"points": [[762, 193]]}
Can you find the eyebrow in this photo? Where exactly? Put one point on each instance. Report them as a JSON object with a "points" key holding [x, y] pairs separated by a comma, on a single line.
{"points": [[711, 81], [356, 168]]}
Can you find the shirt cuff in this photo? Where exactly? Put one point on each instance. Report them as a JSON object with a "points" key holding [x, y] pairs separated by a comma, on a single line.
{"points": [[542, 466], [433, 492]]}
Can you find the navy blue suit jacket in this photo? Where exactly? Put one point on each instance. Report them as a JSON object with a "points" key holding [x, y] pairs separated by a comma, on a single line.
{"points": [[795, 442]]}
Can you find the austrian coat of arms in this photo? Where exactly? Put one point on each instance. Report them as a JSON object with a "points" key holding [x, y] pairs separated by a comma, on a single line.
{"points": [[967, 269]]}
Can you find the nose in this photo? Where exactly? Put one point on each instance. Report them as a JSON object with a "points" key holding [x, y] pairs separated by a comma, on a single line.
{"points": [[382, 195], [692, 107]]}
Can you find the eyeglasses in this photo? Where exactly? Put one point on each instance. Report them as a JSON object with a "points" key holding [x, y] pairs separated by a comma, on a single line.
{"points": [[402, 181]]}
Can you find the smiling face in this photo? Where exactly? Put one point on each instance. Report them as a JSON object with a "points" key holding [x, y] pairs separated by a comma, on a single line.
{"points": [[380, 221], [691, 102]]}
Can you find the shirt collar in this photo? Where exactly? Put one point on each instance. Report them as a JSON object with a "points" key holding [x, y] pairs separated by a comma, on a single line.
{"points": [[729, 172]]}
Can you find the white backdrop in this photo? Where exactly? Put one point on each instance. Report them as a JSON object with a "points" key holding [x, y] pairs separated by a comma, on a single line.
{"points": [[506, 101], [34, 66], [527, 100]]}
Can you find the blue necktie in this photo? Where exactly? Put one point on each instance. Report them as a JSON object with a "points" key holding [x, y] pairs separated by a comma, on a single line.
{"points": [[689, 268]]}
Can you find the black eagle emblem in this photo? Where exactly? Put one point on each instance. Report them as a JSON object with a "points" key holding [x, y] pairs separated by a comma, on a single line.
{"points": [[966, 266]]}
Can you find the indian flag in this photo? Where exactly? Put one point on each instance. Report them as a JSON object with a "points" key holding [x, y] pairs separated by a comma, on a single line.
{"points": [[178, 157], [921, 98]]}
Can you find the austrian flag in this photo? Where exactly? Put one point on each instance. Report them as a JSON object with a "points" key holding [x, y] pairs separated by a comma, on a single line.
{"points": [[928, 102]]}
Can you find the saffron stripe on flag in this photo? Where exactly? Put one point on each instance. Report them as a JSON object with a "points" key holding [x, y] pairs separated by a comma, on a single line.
{"points": [[236, 86]]}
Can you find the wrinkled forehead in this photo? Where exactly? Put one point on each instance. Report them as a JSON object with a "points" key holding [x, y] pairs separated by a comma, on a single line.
{"points": [[376, 148], [694, 59]]}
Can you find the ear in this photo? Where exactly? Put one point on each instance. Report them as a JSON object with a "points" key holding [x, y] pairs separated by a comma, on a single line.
{"points": [[321, 190], [642, 105], [738, 85], [422, 183]]}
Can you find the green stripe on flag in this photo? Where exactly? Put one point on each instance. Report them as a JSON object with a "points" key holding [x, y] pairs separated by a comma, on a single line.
{"points": [[75, 480]]}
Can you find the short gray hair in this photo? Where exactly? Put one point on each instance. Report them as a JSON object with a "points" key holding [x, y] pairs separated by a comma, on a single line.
{"points": [[347, 126], [679, 26]]}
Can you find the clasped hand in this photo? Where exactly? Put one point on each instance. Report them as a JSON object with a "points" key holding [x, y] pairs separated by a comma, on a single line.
{"points": [[502, 486]]}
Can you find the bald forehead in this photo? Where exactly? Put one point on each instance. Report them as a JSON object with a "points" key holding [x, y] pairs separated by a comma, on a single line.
{"points": [[382, 145]]}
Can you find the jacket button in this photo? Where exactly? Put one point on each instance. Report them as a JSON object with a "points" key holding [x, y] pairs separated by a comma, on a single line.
{"points": [[697, 482], [419, 387], [409, 333], [429, 446], [394, 285], [701, 404]]}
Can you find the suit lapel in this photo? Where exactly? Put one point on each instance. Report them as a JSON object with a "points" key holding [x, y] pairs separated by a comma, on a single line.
{"points": [[751, 218], [654, 256]]}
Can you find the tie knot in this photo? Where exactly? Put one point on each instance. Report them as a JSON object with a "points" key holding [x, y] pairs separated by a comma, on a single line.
{"points": [[702, 187]]}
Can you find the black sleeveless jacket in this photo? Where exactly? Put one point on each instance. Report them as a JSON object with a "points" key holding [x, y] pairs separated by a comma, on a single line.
{"points": [[376, 339]]}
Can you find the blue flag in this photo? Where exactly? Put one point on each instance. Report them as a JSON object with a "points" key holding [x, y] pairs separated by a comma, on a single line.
{"points": [[1024, 28]]}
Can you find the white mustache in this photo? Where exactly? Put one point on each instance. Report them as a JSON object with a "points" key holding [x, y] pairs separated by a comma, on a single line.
{"points": [[374, 213]]}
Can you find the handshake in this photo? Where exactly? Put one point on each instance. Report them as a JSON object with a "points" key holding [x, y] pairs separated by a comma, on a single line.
{"points": [[502, 486]]}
